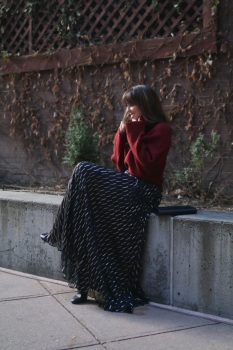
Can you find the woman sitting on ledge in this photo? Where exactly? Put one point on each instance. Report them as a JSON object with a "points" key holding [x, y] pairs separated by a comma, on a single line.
{"points": [[100, 225]]}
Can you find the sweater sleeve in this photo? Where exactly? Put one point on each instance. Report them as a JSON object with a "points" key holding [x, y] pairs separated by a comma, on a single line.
{"points": [[118, 154], [148, 148]]}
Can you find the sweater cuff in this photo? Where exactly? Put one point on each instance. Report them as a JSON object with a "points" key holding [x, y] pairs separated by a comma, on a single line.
{"points": [[135, 126], [122, 134]]}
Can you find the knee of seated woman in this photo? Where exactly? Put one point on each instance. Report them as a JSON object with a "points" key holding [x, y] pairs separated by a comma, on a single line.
{"points": [[82, 166]]}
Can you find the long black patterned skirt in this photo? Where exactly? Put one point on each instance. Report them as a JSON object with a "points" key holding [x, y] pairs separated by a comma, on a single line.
{"points": [[100, 230]]}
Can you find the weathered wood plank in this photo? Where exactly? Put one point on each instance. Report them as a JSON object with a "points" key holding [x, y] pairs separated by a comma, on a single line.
{"points": [[208, 20], [151, 49]]}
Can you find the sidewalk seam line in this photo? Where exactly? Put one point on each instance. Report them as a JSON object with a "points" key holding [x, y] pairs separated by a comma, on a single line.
{"points": [[80, 322], [31, 276], [79, 347], [159, 333], [32, 296]]}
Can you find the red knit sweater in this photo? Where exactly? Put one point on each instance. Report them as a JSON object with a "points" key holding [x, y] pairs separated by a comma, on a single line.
{"points": [[143, 153]]}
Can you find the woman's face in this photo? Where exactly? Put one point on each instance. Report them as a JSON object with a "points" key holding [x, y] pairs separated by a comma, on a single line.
{"points": [[134, 113]]}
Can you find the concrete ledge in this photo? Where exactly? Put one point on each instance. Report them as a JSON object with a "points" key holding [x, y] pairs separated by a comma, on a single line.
{"points": [[188, 260], [23, 217], [157, 259], [203, 263]]}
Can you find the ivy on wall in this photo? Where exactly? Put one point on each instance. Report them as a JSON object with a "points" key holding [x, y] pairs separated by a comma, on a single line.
{"points": [[41, 103], [39, 106]]}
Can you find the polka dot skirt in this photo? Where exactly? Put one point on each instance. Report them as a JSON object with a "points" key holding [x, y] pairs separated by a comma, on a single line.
{"points": [[100, 230]]}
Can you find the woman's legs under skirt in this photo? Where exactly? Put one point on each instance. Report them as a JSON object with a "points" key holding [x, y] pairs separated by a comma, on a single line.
{"points": [[100, 230]]}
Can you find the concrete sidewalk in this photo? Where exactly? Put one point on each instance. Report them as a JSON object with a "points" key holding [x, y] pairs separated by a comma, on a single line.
{"points": [[36, 314]]}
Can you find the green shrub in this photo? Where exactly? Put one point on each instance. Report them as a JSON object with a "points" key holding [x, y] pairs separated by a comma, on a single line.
{"points": [[80, 141], [192, 178]]}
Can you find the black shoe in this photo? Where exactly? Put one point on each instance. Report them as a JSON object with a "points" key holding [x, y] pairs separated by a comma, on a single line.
{"points": [[79, 298], [44, 237], [128, 310]]}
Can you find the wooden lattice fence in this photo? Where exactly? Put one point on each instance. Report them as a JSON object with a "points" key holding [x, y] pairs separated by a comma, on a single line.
{"points": [[95, 22], [49, 26]]}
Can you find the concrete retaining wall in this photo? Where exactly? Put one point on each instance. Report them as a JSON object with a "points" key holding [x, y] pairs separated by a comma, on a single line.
{"points": [[188, 259], [156, 276], [23, 217], [203, 263]]}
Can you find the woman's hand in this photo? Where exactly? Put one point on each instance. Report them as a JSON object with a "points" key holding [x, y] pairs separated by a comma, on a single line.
{"points": [[126, 120], [133, 114], [138, 119], [122, 127]]}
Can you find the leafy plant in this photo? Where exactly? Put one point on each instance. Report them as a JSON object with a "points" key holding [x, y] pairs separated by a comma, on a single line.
{"points": [[192, 178], [214, 6], [5, 55], [80, 141]]}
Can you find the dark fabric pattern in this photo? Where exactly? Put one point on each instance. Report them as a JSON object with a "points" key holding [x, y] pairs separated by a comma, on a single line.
{"points": [[100, 229]]}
